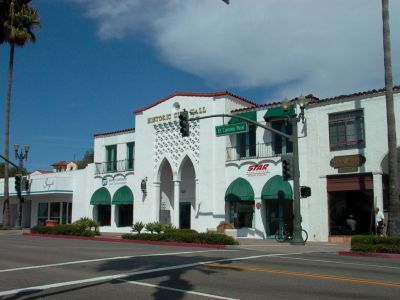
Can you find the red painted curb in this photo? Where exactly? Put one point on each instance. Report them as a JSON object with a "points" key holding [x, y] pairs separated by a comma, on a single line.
{"points": [[117, 240], [370, 254]]}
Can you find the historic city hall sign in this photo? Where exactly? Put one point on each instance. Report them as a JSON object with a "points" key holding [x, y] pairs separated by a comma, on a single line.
{"points": [[168, 117], [347, 163]]}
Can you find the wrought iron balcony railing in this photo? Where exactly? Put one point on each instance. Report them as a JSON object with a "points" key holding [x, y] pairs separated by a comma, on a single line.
{"points": [[252, 152], [115, 166]]}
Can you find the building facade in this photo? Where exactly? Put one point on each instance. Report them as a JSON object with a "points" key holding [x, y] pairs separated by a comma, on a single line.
{"points": [[152, 173]]}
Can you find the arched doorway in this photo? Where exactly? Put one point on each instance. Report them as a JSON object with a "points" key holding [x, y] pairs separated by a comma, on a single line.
{"points": [[166, 192], [123, 201], [239, 199], [187, 193], [278, 196], [101, 201]]}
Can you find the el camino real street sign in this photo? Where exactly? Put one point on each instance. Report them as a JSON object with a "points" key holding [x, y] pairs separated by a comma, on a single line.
{"points": [[231, 129]]}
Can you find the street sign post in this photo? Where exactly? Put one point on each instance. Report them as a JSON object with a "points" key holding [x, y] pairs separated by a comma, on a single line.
{"points": [[231, 129]]}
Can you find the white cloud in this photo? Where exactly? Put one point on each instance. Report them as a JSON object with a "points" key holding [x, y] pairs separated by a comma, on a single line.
{"points": [[322, 47]]}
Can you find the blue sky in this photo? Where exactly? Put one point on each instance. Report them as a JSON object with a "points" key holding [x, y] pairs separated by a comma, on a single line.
{"points": [[96, 61]]}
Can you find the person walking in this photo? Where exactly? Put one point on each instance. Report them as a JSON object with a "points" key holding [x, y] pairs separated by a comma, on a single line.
{"points": [[379, 222]]}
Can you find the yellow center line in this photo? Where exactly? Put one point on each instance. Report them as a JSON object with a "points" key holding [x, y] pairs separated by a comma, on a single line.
{"points": [[302, 274]]}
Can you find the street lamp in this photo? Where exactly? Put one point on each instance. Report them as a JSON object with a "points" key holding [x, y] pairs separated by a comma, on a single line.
{"points": [[297, 230], [21, 155]]}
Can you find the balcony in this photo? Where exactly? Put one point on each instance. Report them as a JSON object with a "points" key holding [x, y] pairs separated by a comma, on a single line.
{"points": [[254, 151], [114, 166]]}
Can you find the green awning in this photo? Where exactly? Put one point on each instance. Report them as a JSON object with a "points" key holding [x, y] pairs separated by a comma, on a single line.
{"points": [[239, 190], [277, 189], [123, 196], [101, 197], [252, 115], [278, 112]]}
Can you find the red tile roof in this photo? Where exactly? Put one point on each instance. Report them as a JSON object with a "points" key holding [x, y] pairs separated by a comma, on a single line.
{"points": [[60, 164], [96, 135], [190, 94], [396, 88]]}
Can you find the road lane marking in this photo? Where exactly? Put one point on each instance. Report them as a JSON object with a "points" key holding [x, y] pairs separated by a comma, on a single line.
{"points": [[125, 275], [176, 290], [341, 262], [105, 259], [302, 274]]}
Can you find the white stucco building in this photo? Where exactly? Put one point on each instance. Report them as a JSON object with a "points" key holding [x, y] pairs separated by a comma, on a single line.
{"points": [[151, 173]]}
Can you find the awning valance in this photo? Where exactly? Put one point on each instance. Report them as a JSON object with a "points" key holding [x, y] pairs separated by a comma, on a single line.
{"points": [[123, 196], [252, 115], [101, 197], [278, 112], [277, 189], [239, 190]]}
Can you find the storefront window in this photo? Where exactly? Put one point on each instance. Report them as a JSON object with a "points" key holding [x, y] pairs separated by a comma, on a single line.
{"points": [[55, 211], [66, 213], [242, 214], [43, 212]]}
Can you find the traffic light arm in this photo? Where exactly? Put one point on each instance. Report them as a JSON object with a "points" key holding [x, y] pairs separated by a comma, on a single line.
{"points": [[290, 137], [11, 163]]}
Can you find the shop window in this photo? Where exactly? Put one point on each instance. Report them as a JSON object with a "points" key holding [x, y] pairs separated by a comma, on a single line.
{"points": [[280, 144], [111, 158], [104, 215], [125, 215], [246, 143], [130, 156], [346, 130], [242, 214], [66, 213], [57, 211], [43, 213]]}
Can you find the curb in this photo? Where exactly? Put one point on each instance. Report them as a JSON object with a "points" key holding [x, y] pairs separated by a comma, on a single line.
{"points": [[370, 254], [119, 240]]}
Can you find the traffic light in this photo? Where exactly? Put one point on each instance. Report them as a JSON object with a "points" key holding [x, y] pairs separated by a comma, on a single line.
{"points": [[25, 183], [184, 123], [287, 168], [18, 178], [305, 191]]}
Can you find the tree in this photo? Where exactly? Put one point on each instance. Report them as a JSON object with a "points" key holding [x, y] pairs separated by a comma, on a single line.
{"points": [[394, 201], [18, 20], [11, 171], [88, 158]]}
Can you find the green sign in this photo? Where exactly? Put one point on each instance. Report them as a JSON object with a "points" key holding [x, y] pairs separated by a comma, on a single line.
{"points": [[231, 129]]}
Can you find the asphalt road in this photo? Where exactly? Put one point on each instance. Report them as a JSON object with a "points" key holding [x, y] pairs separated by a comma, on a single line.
{"points": [[47, 268]]}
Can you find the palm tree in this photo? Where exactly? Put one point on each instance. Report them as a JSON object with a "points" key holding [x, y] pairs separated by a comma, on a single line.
{"points": [[19, 19], [394, 201]]}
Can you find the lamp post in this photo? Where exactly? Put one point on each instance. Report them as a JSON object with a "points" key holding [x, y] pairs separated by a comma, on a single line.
{"points": [[294, 120], [21, 155]]}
